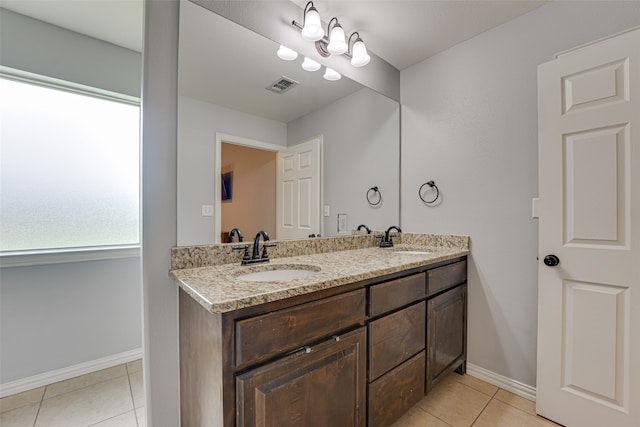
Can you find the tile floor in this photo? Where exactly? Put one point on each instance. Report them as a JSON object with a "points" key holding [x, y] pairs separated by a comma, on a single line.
{"points": [[465, 401], [113, 398]]}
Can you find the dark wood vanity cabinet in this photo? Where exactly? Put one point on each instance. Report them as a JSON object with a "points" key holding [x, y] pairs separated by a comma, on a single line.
{"points": [[446, 323], [315, 386], [359, 355]]}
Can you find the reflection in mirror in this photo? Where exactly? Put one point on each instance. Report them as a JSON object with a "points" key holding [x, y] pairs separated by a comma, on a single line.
{"points": [[223, 107]]}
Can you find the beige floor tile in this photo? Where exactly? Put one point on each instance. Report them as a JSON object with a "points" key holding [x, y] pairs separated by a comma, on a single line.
{"points": [[499, 414], [134, 366], [20, 417], [18, 400], [141, 415], [417, 417], [137, 389], [455, 403], [517, 401], [82, 381], [128, 419], [88, 405], [476, 384]]}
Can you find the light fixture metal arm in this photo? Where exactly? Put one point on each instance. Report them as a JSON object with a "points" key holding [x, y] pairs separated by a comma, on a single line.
{"points": [[321, 45], [349, 42]]}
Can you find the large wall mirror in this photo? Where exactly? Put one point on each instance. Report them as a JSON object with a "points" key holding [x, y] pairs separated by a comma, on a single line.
{"points": [[234, 135]]}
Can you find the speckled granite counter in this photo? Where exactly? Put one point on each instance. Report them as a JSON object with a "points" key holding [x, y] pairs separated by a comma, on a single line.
{"points": [[218, 288]]}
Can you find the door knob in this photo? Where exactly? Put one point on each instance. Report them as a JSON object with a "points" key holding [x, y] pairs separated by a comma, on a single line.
{"points": [[551, 260]]}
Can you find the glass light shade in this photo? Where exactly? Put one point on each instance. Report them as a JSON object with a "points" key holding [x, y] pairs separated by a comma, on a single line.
{"points": [[332, 75], [310, 65], [312, 30], [286, 54], [359, 57], [337, 44]]}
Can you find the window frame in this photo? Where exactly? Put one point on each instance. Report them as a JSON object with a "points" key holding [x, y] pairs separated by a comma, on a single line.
{"points": [[73, 254]]}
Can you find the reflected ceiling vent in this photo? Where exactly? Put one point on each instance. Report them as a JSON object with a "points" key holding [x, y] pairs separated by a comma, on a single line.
{"points": [[282, 85]]}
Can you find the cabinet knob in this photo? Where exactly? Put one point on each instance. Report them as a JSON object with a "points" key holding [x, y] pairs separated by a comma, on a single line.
{"points": [[307, 349], [551, 260]]}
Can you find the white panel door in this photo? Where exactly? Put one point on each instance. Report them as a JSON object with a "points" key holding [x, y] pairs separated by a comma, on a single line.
{"points": [[298, 193], [589, 184]]}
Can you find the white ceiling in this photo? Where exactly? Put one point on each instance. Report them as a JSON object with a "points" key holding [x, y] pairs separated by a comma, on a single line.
{"points": [[403, 32]]}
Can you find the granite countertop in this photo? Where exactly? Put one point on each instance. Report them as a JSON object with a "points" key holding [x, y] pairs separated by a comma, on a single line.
{"points": [[218, 288]]}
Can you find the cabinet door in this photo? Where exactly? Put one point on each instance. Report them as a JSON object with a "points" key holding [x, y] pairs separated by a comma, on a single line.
{"points": [[446, 333], [321, 385]]}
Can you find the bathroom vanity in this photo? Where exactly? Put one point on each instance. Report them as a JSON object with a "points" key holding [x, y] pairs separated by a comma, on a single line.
{"points": [[357, 343]]}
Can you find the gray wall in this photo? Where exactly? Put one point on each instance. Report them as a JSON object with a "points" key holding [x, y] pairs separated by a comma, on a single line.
{"points": [[469, 122], [159, 178], [361, 137], [35, 46], [198, 123], [56, 316]]}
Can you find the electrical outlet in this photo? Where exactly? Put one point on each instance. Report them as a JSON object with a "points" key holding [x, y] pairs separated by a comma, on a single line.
{"points": [[207, 210]]}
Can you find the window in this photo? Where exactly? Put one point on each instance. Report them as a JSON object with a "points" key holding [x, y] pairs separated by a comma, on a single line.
{"points": [[69, 168]]}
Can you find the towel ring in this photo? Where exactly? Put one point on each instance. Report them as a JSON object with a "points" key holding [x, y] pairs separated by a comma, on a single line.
{"points": [[432, 185], [371, 193]]}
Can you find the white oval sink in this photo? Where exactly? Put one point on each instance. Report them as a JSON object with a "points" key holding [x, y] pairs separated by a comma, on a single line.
{"points": [[409, 252], [280, 275]]}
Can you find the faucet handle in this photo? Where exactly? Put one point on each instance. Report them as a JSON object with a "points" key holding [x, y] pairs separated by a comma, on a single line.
{"points": [[265, 255], [245, 256]]}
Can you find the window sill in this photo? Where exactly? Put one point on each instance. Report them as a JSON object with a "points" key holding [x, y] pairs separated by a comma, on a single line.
{"points": [[64, 256]]}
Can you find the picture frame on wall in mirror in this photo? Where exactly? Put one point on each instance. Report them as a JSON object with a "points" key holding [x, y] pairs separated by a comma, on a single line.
{"points": [[227, 186]]}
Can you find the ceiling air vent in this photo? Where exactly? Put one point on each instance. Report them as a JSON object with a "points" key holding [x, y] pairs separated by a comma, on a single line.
{"points": [[282, 85]]}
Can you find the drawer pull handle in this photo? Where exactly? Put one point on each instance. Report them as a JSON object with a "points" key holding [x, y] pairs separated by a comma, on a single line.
{"points": [[336, 338], [307, 349]]}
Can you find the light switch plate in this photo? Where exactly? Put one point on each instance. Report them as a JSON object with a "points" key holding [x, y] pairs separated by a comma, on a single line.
{"points": [[326, 210], [534, 207], [342, 223]]}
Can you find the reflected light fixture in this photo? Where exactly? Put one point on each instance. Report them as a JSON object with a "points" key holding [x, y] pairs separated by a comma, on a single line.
{"points": [[334, 43], [311, 24], [332, 75], [337, 44], [310, 65], [359, 55], [286, 54]]}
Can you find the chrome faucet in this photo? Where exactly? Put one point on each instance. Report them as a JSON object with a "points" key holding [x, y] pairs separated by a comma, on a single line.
{"points": [[235, 231], [386, 241]]}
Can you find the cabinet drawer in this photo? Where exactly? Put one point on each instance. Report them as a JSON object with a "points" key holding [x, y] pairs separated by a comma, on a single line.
{"points": [[394, 393], [395, 338], [258, 338], [446, 277], [390, 295]]}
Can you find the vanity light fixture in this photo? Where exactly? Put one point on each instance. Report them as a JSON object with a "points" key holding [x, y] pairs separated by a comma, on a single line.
{"points": [[286, 54], [359, 55], [310, 65], [311, 24], [335, 43], [332, 75]]}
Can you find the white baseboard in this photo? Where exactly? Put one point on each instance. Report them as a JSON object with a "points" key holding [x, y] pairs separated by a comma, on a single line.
{"points": [[515, 387], [46, 378]]}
